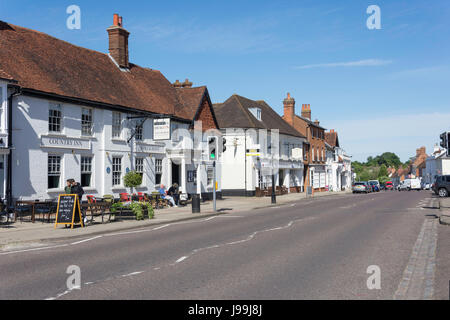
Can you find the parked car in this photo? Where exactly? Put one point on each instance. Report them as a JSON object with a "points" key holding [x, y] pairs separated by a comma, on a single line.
{"points": [[360, 187], [375, 184], [441, 185], [389, 186], [404, 185], [425, 186]]}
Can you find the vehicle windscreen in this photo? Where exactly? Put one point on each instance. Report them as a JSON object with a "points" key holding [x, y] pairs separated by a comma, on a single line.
{"points": [[359, 183]]}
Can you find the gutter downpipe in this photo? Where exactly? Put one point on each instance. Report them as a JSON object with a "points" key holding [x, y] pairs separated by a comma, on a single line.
{"points": [[9, 171], [245, 164]]}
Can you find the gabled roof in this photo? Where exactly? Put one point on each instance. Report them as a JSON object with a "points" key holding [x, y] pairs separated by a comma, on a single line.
{"points": [[235, 113], [192, 98], [310, 122], [46, 64], [332, 138]]}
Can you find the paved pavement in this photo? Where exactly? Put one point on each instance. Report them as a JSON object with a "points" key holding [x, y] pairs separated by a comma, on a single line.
{"points": [[27, 234], [308, 249]]}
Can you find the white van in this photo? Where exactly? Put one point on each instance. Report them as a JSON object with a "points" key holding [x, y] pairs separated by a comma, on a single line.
{"points": [[410, 184], [415, 184]]}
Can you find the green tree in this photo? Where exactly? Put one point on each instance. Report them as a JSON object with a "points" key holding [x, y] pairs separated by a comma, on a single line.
{"points": [[132, 180], [383, 171]]}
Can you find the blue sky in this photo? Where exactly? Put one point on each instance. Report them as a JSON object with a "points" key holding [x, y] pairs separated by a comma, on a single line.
{"points": [[382, 90]]}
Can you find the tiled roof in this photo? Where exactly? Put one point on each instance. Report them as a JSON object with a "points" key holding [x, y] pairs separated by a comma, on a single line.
{"points": [[5, 75], [191, 99], [309, 122], [46, 64], [234, 113], [332, 138]]}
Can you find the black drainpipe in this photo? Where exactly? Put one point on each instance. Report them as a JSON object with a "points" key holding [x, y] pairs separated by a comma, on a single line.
{"points": [[9, 172]]}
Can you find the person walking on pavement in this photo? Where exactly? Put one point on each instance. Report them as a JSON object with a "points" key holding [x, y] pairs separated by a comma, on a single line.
{"points": [[77, 189]]}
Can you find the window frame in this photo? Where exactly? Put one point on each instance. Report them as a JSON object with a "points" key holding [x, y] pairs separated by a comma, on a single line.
{"points": [[139, 168], [139, 132], [114, 171], [86, 172], [158, 172], [91, 121], [116, 125], [55, 108], [51, 172]]}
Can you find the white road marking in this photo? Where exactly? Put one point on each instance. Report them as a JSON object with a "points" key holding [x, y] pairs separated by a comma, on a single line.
{"points": [[132, 274], [181, 259], [160, 227], [34, 249], [250, 237], [85, 240]]}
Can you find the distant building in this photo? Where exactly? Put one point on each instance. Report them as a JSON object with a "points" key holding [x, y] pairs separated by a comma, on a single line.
{"points": [[314, 147], [250, 153], [339, 164], [437, 163]]}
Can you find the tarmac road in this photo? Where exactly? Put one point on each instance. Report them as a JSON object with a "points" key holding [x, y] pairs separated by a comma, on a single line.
{"points": [[314, 249]]}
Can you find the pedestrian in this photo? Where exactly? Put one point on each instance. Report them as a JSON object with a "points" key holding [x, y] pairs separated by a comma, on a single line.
{"points": [[77, 189], [162, 192], [174, 193], [68, 187]]}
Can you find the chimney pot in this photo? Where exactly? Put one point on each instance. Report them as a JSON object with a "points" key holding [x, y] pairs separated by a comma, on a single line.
{"points": [[306, 111], [289, 109], [177, 84], [187, 84], [118, 42]]}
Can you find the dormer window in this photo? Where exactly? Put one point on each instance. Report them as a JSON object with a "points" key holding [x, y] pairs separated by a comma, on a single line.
{"points": [[256, 112]]}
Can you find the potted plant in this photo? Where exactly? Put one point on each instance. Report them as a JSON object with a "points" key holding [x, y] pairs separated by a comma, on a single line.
{"points": [[132, 180]]}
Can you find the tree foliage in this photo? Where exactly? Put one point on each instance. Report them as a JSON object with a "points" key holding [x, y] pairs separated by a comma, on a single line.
{"points": [[132, 179], [375, 168]]}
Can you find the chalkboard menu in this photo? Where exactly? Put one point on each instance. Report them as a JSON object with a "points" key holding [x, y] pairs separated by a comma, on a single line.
{"points": [[68, 212]]}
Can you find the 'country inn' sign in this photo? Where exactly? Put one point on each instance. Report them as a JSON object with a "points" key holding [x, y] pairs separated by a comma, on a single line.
{"points": [[65, 143]]}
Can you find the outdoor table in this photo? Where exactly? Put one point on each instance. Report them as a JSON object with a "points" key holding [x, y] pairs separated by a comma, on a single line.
{"points": [[33, 203]]}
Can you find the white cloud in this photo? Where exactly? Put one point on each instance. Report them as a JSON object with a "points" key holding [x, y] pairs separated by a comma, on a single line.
{"points": [[359, 63]]}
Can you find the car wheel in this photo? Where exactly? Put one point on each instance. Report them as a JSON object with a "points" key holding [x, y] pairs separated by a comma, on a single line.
{"points": [[443, 192]]}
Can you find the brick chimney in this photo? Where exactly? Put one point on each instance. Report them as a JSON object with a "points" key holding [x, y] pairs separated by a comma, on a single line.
{"points": [[118, 42], [177, 84], [289, 109], [187, 84], [306, 111]]}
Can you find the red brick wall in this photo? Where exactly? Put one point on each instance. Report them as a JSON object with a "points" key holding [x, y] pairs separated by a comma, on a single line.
{"points": [[205, 115]]}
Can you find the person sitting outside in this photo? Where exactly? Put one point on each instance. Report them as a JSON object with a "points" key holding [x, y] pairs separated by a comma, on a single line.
{"points": [[174, 193], [162, 192]]}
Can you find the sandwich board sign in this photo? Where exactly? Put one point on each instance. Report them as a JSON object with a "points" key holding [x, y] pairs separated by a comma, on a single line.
{"points": [[69, 210]]}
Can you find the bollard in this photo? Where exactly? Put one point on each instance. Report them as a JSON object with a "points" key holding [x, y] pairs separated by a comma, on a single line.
{"points": [[195, 203]]}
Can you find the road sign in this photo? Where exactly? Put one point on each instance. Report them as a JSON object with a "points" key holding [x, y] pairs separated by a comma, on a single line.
{"points": [[253, 153]]}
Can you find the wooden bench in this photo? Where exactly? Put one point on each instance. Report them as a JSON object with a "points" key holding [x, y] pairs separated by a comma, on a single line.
{"points": [[97, 208]]}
